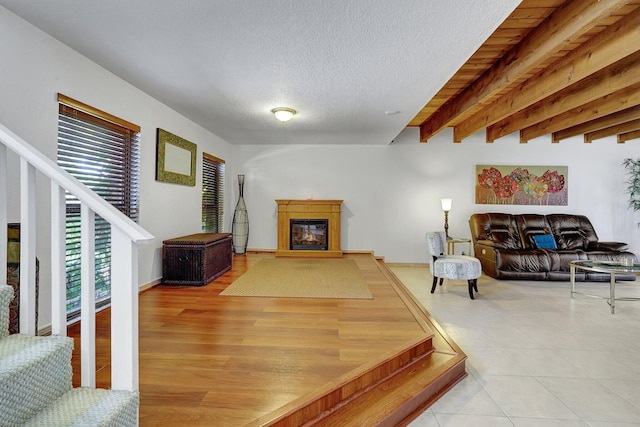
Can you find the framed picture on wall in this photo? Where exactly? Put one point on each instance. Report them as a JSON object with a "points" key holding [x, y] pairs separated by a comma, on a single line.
{"points": [[521, 185], [176, 159]]}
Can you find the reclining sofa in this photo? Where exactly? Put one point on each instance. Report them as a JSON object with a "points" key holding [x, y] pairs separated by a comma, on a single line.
{"points": [[540, 247]]}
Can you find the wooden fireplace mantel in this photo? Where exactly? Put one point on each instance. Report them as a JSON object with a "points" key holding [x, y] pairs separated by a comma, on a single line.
{"points": [[308, 209]]}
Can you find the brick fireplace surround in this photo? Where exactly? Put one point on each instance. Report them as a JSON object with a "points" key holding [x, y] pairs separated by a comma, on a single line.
{"points": [[308, 209]]}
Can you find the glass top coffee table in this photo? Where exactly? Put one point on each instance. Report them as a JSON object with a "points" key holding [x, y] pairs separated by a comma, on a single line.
{"points": [[611, 267]]}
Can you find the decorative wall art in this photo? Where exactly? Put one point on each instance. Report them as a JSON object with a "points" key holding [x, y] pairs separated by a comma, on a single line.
{"points": [[176, 159], [521, 185]]}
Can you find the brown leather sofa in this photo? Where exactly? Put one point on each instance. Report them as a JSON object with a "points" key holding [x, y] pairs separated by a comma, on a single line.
{"points": [[507, 249]]}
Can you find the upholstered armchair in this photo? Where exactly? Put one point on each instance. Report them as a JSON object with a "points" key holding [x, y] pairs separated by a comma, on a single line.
{"points": [[455, 267]]}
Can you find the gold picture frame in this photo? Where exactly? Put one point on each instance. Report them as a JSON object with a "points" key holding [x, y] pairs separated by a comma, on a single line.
{"points": [[176, 159]]}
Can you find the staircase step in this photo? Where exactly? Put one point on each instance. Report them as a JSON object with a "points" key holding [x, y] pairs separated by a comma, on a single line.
{"points": [[34, 371], [400, 398], [90, 407], [6, 295]]}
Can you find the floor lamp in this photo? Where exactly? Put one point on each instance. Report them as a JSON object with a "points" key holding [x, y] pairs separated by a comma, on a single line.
{"points": [[446, 207]]}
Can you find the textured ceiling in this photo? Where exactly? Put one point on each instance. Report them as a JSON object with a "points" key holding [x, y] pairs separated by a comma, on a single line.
{"points": [[226, 64]]}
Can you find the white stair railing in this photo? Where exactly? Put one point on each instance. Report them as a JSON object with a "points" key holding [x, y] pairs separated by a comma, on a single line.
{"points": [[126, 235]]}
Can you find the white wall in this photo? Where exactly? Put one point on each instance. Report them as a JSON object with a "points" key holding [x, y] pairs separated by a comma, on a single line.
{"points": [[35, 67], [392, 193]]}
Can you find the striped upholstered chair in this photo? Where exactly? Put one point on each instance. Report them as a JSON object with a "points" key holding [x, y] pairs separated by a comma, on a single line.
{"points": [[455, 267]]}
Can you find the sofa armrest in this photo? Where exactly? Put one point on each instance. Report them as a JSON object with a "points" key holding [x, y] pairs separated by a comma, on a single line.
{"points": [[485, 250], [490, 243], [607, 246]]}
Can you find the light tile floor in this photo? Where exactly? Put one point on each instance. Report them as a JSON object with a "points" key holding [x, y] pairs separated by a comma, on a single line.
{"points": [[536, 357]]}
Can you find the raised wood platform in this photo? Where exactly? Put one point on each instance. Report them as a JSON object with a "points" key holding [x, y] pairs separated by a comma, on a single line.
{"points": [[207, 359]]}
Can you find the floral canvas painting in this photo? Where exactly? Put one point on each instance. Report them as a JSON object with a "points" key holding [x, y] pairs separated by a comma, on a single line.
{"points": [[521, 185]]}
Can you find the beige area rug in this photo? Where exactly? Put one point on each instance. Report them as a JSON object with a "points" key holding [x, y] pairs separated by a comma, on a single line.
{"points": [[301, 278]]}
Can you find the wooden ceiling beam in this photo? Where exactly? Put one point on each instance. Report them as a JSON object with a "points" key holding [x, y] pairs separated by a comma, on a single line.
{"points": [[615, 77], [564, 26], [612, 130], [624, 137], [600, 123], [608, 104], [607, 47]]}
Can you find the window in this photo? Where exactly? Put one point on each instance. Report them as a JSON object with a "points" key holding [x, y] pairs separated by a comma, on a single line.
{"points": [[212, 193], [101, 151]]}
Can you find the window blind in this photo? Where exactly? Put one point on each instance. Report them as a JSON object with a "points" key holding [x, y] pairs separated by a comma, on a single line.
{"points": [[212, 194], [103, 153]]}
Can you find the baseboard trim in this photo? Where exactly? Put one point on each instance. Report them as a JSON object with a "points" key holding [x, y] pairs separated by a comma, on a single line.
{"points": [[149, 285], [407, 264], [45, 330]]}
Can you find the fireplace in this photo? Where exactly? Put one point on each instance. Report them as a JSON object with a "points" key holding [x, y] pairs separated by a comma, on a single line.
{"points": [[309, 228], [309, 234]]}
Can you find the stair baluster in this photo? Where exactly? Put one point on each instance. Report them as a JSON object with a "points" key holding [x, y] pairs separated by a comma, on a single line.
{"points": [[90, 405]]}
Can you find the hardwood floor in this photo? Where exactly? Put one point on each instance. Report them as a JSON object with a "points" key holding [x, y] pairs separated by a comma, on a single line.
{"points": [[217, 360]]}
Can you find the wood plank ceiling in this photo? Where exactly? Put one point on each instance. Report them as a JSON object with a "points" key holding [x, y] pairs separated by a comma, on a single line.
{"points": [[554, 67]]}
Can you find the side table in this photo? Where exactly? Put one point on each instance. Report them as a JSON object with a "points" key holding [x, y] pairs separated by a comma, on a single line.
{"points": [[451, 245]]}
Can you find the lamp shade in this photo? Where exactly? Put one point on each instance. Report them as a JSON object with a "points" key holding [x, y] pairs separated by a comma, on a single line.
{"points": [[283, 114], [446, 204]]}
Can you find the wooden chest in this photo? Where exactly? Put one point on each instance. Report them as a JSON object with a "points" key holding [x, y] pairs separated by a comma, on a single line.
{"points": [[197, 259]]}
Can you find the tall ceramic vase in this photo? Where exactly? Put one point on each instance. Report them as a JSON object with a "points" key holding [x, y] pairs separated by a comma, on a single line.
{"points": [[240, 226]]}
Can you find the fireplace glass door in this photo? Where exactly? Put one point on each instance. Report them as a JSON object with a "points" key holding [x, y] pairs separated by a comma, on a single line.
{"points": [[309, 234]]}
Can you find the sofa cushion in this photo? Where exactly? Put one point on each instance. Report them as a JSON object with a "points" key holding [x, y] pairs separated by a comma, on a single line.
{"points": [[545, 241], [503, 231], [505, 239], [572, 231], [498, 228], [574, 239], [560, 259], [608, 246], [609, 255], [525, 260], [531, 225]]}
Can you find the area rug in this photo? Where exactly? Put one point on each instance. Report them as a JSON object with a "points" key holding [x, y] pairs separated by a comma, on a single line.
{"points": [[301, 278]]}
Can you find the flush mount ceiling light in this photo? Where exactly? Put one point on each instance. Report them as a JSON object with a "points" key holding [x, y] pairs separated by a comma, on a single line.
{"points": [[283, 114]]}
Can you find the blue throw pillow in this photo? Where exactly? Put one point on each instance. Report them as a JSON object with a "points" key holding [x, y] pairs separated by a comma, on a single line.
{"points": [[545, 241]]}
